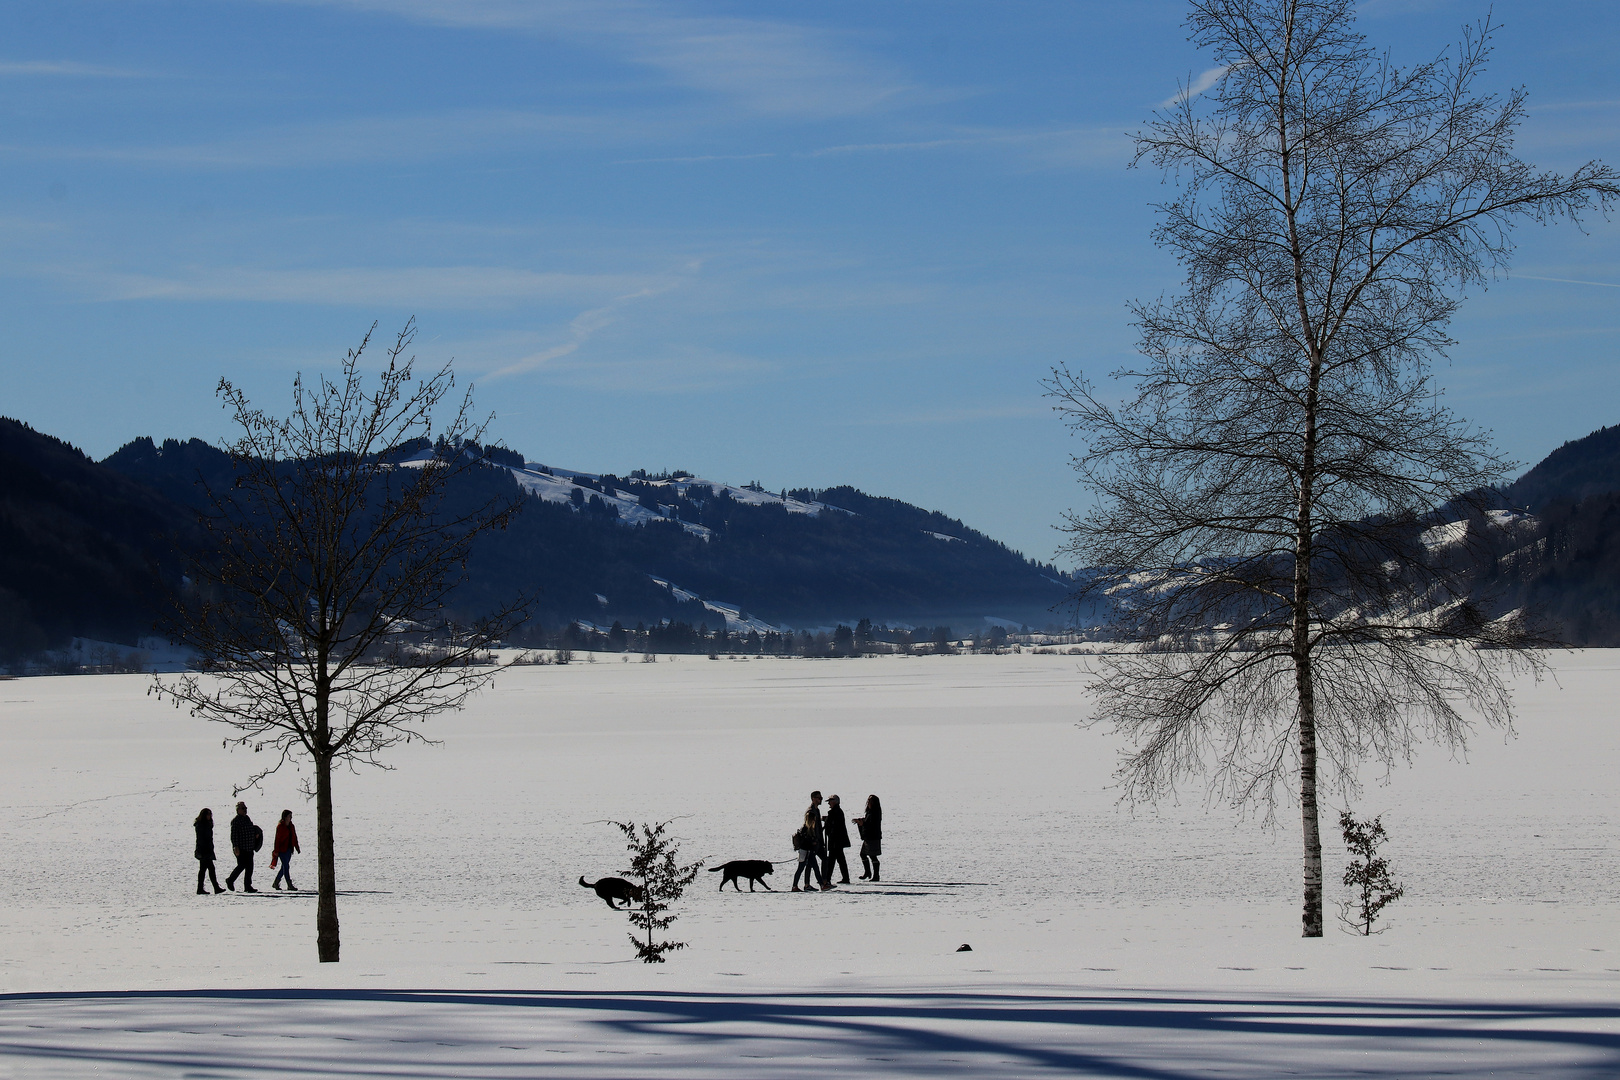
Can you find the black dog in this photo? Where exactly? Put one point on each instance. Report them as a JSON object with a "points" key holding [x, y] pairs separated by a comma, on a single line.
{"points": [[752, 869], [615, 888]]}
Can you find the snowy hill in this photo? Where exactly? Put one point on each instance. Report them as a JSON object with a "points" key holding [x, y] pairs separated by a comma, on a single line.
{"points": [[603, 548], [641, 500], [1547, 545], [676, 547]]}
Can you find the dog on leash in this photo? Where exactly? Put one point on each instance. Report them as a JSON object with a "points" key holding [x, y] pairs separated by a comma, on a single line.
{"points": [[752, 869], [615, 888]]}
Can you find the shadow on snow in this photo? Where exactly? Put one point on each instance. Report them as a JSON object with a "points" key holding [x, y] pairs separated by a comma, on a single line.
{"points": [[1145, 1036]]}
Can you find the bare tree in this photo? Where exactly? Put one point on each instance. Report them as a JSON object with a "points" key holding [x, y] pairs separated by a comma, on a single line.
{"points": [[1265, 492], [320, 619]]}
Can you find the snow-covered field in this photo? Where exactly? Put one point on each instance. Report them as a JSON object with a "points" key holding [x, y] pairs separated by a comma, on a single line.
{"points": [[1162, 945]]}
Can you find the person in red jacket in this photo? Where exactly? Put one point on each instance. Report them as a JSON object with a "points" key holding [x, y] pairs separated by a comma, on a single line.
{"points": [[286, 844]]}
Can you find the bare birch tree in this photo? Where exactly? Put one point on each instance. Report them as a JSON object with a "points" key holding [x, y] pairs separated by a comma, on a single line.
{"points": [[320, 619], [1265, 492]]}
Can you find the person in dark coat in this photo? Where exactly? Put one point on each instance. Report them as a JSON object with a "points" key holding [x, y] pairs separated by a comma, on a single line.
{"points": [[205, 851], [282, 851], [242, 845], [870, 826], [818, 850], [837, 840]]}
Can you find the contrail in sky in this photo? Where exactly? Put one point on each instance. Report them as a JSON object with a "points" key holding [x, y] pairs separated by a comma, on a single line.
{"points": [[1568, 281]]}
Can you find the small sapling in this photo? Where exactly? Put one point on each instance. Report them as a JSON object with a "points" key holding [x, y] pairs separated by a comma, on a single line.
{"points": [[653, 860], [1366, 873]]}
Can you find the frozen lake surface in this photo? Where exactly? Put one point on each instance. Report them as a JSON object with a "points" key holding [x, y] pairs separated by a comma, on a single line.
{"points": [[1160, 944]]}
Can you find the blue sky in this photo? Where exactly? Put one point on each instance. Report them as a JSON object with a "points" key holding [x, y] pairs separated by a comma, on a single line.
{"points": [[805, 244]]}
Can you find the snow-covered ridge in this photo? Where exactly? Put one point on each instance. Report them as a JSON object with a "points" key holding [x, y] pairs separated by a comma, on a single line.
{"points": [[737, 621], [1453, 533], [1512, 534], [559, 485]]}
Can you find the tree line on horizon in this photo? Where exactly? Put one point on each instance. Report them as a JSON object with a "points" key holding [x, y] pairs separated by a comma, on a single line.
{"points": [[863, 639]]}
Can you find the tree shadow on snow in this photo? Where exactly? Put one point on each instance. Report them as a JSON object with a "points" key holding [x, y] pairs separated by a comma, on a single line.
{"points": [[1136, 1036]]}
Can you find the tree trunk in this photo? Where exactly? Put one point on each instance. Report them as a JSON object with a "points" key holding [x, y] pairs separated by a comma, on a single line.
{"points": [[1305, 687], [326, 917], [1304, 676], [1307, 801]]}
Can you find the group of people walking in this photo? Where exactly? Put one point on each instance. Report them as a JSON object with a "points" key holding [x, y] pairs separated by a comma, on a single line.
{"points": [[820, 843], [246, 840], [822, 839]]}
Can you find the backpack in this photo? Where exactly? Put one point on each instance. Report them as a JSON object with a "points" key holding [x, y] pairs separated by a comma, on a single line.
{"points": [[258, 838], [802, 839]]}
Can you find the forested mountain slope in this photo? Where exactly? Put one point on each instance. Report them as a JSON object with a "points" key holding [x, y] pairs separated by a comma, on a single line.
{"points": [[1575, 580], [603, 548], [1573, 472], [84, 550], [95, 549]]}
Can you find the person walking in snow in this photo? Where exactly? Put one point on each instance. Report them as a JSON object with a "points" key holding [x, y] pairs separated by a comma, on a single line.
{"points": [[870, 826], [837, 834], [286, 843], [802, 839], [245, 840], [818, 844], [205, 851], [812, 847]]}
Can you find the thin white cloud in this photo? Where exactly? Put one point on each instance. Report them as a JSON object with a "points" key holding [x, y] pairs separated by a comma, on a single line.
{"points": [[679, 370], [694, 159], [1063, 146], [581, 329], [763, 66], [1197, 86], [68, 68], [416, 288], [1569, 281], [955, 416], [899, 146], [1382, 9], [361, 140], [1565, 106]]}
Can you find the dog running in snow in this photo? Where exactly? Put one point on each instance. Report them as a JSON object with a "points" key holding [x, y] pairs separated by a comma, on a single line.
{"points": [[752, 869], [615, 888]]}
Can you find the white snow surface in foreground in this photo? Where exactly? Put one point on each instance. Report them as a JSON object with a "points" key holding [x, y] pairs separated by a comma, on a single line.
{"points": [[1162, 945]]}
